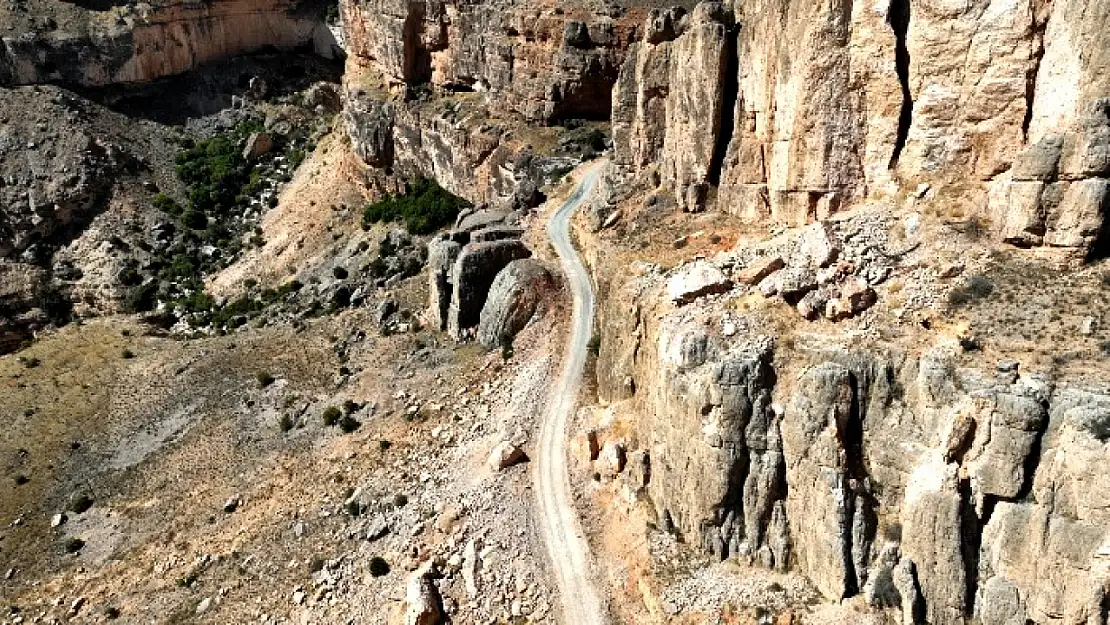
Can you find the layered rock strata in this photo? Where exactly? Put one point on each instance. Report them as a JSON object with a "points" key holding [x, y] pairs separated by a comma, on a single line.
{"points": [[787, 112], [542, 61], [88, 48], [858, 466]]}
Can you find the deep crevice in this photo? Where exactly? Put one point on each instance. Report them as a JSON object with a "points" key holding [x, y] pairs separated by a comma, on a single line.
{"points": [[1031, 76], [728, 105], [899, 19], [971, 534]]}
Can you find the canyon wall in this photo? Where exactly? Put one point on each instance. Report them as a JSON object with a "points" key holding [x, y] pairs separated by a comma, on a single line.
{"points": [[786, 112], [539, 60], [461, 91], [96, 48], [912, 477]]}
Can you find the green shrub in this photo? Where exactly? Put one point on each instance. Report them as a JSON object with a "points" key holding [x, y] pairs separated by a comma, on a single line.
{"points": [[350, 406], [127, 354], [194, 219], [339, 272], [166, 204], [378, 566], [215, 172], [264, 379], [74, 545], [427, 207], [349, 424], [285, 423], [331, 416]]}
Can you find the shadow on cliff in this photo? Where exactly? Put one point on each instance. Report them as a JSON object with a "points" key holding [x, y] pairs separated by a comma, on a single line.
{"points": [[213, 87]]}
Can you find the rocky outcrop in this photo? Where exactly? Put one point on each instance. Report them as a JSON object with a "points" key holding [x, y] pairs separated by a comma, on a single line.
{"points": [[542, 61], [25, 301], [465, 264], [160, 39], [423, 604], [810, 109], [56, 171], [914, 478], [515, 296], [1058, 191]]}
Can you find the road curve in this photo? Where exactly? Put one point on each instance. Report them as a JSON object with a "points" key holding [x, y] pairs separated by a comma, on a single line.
{"points": [[566, 544]]}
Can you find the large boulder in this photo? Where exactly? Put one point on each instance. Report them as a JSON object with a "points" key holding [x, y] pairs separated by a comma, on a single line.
{"points": [[514, 297], [472, 276], [423, 604], [697, 279]]}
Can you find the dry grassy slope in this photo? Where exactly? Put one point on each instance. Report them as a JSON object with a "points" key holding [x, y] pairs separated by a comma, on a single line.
{"points": [[165, 438], [318, 213]]}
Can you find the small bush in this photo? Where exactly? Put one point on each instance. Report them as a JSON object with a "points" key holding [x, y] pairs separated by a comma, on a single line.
{"points": [[975, 289], [285, 423], [127, 354], [349, 424], [384, 445], [400, 500], [426, 208], [264, 379], [80, 503], [74, 545], [21, 479], [331, 416], [194, 219], [166, 204], [350, 406], [30, 362], [339, 273], [378, 566]]}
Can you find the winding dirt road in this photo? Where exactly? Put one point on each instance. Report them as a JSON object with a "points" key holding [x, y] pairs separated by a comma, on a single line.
{"points": [[566, 544]]}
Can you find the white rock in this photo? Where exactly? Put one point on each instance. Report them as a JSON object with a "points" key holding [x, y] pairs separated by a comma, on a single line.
{"points": [[505, 455], [695, 280], [203, 606]]}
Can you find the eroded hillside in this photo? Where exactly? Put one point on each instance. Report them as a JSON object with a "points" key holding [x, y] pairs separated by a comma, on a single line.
{"points": [[282, 328]]}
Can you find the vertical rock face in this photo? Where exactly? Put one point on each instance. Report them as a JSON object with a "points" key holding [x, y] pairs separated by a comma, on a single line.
{"points": [[542, 61], [159, 39], [669, 104], [955, 492], [806, 109], [821, 443], [716, 452]]}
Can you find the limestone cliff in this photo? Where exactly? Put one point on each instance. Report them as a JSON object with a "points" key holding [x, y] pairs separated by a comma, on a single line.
{"points": [[786, 112], [896, 465], [69, 44], [462, 91], [541, 60]]}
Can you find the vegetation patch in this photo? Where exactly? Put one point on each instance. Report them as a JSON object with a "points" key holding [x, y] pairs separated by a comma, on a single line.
{"points": [[426, 208]]}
